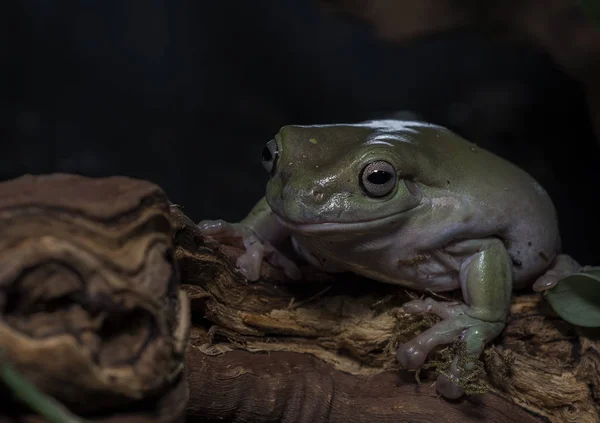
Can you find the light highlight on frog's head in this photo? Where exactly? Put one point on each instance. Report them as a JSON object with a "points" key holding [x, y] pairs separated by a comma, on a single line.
{"points": [[343, 174]]}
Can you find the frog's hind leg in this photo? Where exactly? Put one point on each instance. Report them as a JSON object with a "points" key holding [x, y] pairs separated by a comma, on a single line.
{"points": [[486, 283]]}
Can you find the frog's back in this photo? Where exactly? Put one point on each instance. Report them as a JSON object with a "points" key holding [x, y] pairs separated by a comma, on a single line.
{"points": [[507, 202]]}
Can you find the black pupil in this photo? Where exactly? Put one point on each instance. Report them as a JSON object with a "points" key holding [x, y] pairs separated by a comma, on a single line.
{"points": [[379, 177], [267, 156]]}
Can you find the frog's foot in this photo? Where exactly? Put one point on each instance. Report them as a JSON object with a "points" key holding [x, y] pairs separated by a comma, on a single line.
{"points": [[257, 249], [562, 266], [456, 325]]}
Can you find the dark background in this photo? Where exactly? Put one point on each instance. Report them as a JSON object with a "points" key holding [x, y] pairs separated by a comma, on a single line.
{"points": [[185, 94]]}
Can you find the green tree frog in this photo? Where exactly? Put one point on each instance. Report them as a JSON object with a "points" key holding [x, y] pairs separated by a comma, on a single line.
{"points": [[412, 204]]}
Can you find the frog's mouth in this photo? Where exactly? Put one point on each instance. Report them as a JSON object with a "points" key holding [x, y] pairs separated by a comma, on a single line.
{"points": [[359, 226]]}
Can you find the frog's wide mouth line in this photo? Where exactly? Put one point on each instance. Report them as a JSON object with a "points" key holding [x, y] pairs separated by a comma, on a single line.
{"points": [[362, 225]]}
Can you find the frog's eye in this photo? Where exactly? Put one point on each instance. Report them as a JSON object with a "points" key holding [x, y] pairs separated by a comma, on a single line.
{"points": [[269, 156], [378, 178]]}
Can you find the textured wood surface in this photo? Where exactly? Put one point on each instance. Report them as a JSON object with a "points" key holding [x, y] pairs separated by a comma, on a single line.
{"points": [[90, 306], [90, 312]]}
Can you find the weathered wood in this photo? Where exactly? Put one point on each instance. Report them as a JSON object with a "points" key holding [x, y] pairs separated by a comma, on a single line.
{"points": [[90, 305], [319, 350], [293, 387]]}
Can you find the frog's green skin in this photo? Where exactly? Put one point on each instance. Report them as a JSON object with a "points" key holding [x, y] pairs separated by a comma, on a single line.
{"points": [[458, 217]]}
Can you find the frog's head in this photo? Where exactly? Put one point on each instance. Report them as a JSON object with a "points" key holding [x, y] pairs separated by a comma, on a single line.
{"points": [[343, 177]]}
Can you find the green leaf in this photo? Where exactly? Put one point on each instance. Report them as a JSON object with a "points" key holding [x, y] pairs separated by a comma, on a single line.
{"points": [[576, 298], [592, 9], [47, 407]]}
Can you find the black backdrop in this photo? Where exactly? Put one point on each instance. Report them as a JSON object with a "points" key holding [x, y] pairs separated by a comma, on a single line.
{"points": [[185, 93]]}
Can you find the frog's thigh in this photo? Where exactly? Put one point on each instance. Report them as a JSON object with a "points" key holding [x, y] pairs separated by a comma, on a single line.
{"points": [[486, 282]]}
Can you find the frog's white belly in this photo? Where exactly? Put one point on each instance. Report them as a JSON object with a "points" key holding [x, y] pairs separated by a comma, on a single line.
{"points": [[427, 246], [436, 270]]}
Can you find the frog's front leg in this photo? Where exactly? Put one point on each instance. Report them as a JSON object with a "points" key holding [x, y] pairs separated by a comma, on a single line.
{"points": [[257, 234], [486, 283]]}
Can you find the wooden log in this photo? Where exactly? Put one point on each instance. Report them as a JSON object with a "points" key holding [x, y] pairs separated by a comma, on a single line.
{"points": [[318, 350], [90, 305]]}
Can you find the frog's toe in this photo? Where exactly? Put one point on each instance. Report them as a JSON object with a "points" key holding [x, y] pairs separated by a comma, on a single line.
{"points": [[545, 282], [213, 227], [224, 232], [474, 339], [410, 356], [413, 353], [447, 388], [444, 310], [475, 334], [250, 262], [562, 266]]}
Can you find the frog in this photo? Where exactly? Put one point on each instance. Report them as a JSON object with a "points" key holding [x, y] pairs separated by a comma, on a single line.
{"points": [[409, 203]]}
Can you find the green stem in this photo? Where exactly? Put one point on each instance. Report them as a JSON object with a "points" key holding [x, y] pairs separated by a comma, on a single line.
{"points": [[45, 406]]}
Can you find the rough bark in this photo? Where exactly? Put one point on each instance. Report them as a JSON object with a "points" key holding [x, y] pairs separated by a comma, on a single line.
{"points": [[559, 27], [319, 350], [90, 305]]}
